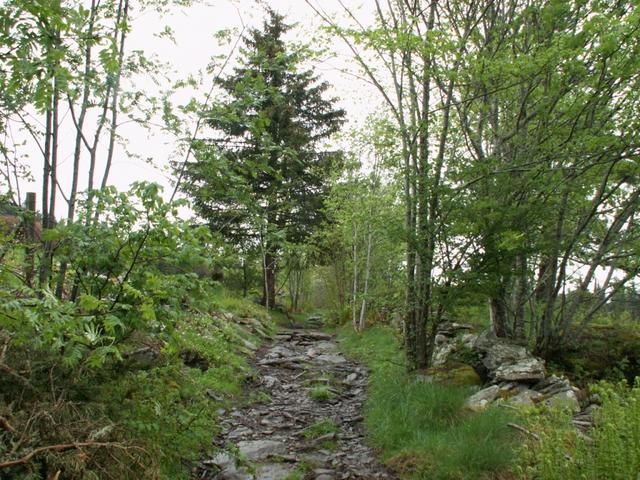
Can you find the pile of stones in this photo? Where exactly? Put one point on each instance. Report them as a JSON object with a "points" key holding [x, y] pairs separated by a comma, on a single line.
{"points": [[511, 374]]}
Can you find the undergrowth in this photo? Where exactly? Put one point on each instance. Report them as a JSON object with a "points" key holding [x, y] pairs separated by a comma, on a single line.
{"points": [[117, 372], [611, 450], [421, 428], [149, 415]]}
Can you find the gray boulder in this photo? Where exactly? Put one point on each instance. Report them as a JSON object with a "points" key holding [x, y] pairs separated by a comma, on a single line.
{"points": [[256, 450], [524, 370], [442, 352], [566, 399], [481, 400], [508, 362], [526, 397]]}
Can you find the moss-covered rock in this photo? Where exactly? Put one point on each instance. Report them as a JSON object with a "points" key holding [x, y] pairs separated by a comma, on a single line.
{"points": [[458, 374], [465, 375]]}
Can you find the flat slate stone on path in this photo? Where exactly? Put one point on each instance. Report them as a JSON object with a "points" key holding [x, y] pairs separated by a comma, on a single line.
{"points": [[273, 439]]}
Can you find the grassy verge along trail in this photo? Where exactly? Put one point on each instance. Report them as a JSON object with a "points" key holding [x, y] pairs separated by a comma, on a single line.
{"points": [[421, 428]]}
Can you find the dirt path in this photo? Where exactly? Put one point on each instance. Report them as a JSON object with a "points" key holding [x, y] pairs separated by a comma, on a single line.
{"points": [[310, 424]]}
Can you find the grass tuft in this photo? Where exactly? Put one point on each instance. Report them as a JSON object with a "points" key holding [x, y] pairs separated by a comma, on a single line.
{"points": [[320, 428], [321, 393]]}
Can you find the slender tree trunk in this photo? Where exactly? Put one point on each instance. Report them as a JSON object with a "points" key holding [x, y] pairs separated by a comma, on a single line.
{"points": [[426, 249], [498, 316], [86, 90], [102, 120], [46, 172], [84, 107], [520, 297], [49, 182], [367, 274], [116, 92], [341, 283], [30, 237], [245, 279], [411, 298], [354, 290], [269, 289]]}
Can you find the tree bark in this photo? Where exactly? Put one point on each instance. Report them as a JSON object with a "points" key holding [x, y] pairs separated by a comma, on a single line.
{"points": [[498, 315], [520, 297], [354, 290], [124, 20], [367, 274], [30, 237], [269, 287]]}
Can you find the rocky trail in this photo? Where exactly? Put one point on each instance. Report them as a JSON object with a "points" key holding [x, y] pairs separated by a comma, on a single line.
{"points": [[309, 424]]}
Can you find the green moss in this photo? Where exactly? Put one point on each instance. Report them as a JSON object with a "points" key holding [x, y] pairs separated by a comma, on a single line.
{"points": [[457, 375]]}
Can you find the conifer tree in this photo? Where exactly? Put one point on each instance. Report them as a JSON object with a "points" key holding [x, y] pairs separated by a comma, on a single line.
{"points": [[262, 177]]}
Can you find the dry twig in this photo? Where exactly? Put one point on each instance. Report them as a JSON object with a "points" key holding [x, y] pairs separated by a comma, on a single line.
{"points": [[60, 448], [521, 429]]}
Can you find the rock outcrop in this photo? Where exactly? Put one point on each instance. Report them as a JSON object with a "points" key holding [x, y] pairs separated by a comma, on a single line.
{"points": [[511, 374]]}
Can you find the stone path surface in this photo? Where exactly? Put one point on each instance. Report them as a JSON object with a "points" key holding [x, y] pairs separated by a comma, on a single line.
{"points": [[310, 423]]}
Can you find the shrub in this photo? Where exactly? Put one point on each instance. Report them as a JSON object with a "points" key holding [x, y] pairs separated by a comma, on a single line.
{"points": [[96, 381]]}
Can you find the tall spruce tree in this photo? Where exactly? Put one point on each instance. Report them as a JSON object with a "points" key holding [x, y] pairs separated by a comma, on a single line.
{"points": [[262, 177]]}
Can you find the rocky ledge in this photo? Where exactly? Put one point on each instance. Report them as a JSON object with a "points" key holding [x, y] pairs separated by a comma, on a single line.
{"points": [[505, 372]]}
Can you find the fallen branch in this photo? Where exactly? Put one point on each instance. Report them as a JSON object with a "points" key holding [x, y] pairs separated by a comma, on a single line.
{"points": [[17, 376], [5, 425], [521, 429], [57, 448]]}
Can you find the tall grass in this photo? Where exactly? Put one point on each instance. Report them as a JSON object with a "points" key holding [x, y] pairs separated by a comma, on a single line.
{"points": [[422, 429]]}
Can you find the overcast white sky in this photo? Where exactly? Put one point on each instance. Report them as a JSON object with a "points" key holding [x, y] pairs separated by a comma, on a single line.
{"points": [[194, 45]]}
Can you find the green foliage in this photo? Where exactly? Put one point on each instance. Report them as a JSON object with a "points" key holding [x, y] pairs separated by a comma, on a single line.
{"points": [[171, 407], [607, 350], [262, 179], [422, 428], [142, 350], [363, 241], [610, 450], [118, 283], [264, 175], [162, 406]]}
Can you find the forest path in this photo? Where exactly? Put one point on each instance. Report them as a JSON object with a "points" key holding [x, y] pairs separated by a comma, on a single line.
{"points": [[310, 424]]}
